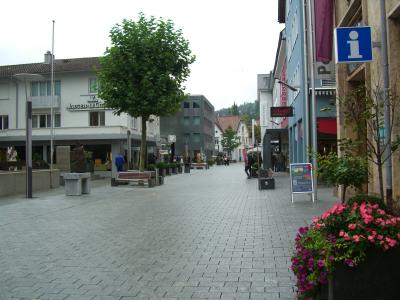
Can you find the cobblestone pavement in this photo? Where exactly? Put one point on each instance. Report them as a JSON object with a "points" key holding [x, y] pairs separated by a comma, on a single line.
{"points": [[210, 234]]}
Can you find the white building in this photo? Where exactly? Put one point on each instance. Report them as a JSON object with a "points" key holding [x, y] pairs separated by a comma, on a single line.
{"points": [[241, 130], [264, 94], [218, 138], [79, 115]]}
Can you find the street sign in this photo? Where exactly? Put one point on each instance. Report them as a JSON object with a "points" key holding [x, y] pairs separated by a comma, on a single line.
{"points": [[353, 44], [281, 111]]}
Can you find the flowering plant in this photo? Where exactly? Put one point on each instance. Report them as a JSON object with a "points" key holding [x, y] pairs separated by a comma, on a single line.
{"points": [[341, 235]]}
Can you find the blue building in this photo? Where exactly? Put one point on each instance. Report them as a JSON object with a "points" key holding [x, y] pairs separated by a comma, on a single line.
{"points": [[294, 14]]}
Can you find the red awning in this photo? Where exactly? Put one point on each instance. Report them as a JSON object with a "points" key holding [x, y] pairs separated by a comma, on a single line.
{"points": [[327, 125]]}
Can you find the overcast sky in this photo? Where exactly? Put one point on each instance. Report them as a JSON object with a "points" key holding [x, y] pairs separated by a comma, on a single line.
{"points": [[233, 40]]}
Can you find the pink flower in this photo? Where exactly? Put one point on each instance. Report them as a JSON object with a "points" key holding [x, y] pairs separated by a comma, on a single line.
{"points": [[356, 238], [379, 237], [392, 243], [321, 263], [381, 211], [341, 233], [371, 238], [346, 237], [352, 226]]}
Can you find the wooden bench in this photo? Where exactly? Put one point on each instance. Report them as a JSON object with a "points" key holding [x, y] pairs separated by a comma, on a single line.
{"points": [[199, 166], [136, 176]]}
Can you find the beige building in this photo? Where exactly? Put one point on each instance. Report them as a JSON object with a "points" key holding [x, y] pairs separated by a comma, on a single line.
{"points": [[370, 75]]}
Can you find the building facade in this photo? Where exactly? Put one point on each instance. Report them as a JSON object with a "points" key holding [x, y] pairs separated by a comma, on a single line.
{"points": [[294, 14], [193, 127], [241, 131], [79, 115], [369, 75]]}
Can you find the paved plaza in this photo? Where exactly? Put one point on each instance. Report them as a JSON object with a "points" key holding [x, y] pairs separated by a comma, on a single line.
{"points": [[210, 234]]}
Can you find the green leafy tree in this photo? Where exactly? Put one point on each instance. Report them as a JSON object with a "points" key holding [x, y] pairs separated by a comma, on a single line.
{"points": [[364, 114], [234, 109], [143, 71], [346, 170], [230, 141]]}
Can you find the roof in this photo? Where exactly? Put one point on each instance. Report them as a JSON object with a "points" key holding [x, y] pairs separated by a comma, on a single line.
{"points": [[60, 66], [229, 121]]}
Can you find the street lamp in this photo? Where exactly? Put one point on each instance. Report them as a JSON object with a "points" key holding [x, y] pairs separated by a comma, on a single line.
{"points": [[28, 144]]}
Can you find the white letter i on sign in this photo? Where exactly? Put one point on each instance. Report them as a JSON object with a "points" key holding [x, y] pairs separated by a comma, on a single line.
{"points": [[354, 45]]}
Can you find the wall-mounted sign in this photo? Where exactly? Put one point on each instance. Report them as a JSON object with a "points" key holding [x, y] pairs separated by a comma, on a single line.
{"points": [[353, 44], [281, 111], [86, 106]]}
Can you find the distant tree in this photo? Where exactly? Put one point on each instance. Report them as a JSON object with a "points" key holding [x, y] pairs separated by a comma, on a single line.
{"points": [[234, 110], [230, 141], [143, 71]]}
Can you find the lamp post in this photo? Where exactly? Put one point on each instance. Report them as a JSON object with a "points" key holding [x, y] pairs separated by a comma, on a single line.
{"points": [[27, 77]]}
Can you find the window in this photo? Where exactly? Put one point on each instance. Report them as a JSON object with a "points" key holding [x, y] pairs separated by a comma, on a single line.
{"points": [[196, 137], [186, 121], [196, 104], [44, 120], [134, 124], [186, 105], [57, 120], [187, 138], [43, 88], [3, 122], [196, 120], [93, 85], [96, 118]]}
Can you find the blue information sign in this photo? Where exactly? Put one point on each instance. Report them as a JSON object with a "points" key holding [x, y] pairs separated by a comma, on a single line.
{"points": [[353, 44]]}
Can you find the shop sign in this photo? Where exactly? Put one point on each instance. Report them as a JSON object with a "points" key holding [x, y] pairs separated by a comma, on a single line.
{"points": [[281, 111]]}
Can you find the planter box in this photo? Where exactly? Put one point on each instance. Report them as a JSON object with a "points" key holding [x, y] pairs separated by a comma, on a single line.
{"points": [[373, 279], [187, 168], [266, 183]]}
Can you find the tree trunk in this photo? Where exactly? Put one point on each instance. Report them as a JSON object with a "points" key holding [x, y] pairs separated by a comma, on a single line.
{"points": [[344, 193], [143, 148], [380, 176]]}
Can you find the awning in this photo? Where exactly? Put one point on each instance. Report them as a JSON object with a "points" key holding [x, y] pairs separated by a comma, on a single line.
{"points": [[327, 126]]}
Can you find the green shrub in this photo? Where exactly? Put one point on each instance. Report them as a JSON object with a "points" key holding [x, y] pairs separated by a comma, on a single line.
{"points": [[151, 167], [161, 165]]}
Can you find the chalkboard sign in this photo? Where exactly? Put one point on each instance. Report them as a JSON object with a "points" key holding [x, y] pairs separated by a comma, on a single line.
{"points": [[301, 179]]}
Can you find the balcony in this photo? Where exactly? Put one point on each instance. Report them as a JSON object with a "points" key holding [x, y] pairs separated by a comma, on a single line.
{"points": [[45, 102]]}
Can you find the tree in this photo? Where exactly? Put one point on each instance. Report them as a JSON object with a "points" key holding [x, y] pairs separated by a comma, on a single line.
{"points": [[230, 141], [364, 114], [143, 71], [346, 170], [234, 110]]}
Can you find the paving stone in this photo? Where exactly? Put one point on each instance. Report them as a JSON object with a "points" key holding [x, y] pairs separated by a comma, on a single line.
{"points": [[229, 241]]}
